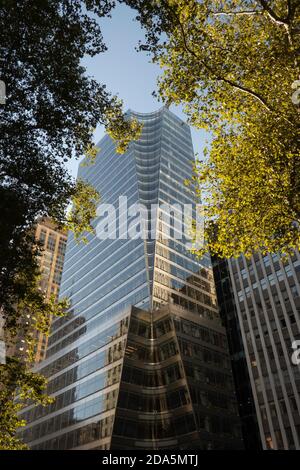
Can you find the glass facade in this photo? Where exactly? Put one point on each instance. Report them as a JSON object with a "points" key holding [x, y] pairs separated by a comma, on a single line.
{"points": [[112, 334], [176, 390]]}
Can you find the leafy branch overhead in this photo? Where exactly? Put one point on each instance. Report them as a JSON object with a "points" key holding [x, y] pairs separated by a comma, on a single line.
{"points": [[122, 131], [233, 65], [51, 107], [83, 210], [32, 314], [18, 385]]}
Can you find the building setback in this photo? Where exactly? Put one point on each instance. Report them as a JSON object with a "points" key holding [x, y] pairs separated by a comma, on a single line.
{"points": [[141, 360]]}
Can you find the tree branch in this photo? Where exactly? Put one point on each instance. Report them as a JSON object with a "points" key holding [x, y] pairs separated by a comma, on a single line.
{"points": [[271, 13], [219, 77], [289, 8], [237, 13], [286, 22], [235, 85]]}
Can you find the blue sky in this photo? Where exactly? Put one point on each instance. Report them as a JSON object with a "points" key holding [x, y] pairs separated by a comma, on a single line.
{"points": [[128, 73]]}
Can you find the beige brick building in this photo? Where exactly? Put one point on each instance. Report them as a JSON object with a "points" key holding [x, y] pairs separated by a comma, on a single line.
{"points": [[53, 246], [51, 263]]}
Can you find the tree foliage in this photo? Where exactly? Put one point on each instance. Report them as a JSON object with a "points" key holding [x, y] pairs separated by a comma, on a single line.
{"points": [[234, 64], [26, 311], [50, 111], [83, 210], [18, 385], [51, 108]]}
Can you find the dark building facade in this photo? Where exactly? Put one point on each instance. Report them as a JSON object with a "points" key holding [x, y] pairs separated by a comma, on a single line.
{"points": [[229, 316], [141, 359], [265, 292], [176, 390]]}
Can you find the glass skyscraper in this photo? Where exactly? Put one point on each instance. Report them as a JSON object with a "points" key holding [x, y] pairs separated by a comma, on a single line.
{"points": [[141, 360]]}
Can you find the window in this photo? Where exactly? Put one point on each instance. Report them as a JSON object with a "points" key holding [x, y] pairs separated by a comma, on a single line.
{"points": [[43, 236], [51, 242], [295, 292]]}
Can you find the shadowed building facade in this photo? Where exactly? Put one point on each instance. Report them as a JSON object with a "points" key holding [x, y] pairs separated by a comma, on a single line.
{"points": [[141, 359], [229, 316], [261, 306]]}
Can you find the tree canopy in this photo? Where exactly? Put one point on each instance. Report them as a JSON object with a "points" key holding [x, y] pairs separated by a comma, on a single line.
{"points": [[50, 111], [234, 64], [51, 107]]}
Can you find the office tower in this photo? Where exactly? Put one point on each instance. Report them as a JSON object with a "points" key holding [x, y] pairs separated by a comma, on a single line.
{"points": [[229, 316], [266, 297], [54, 242], [53, 246], [141, 359]]}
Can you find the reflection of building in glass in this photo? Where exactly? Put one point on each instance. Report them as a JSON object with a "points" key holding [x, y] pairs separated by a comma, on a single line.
{"points": [[176, 386], [85, 381], [266, 306]]}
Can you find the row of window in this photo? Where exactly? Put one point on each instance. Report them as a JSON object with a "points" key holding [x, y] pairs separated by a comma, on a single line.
{"points": [[153, 403], [110, 286], [78, 321], [208, 376], [141, 353], [166, 280], [131, 292], [79, 352], [97, 405], [197, 331], [82, 390], [149, 378], [276, 378], [210, 399], [207, 356], [157, 429], [174, 249], [143, 329], [264, 283], [71, 265], [82, 370], [106, 336], [89, 433], [217, 425]]}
